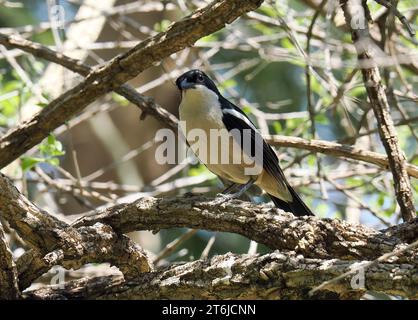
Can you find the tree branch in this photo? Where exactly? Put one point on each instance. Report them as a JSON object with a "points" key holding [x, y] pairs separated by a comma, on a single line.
{"points": [[43, 232], [33, 264], [309, 236], [378, 100], [9, 288], [338, 150], [97, 238], [276, 275], [146, 104], [119, 70]]}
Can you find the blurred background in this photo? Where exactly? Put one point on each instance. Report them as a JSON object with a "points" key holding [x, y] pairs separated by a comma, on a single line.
{"points": [[290, 65]]}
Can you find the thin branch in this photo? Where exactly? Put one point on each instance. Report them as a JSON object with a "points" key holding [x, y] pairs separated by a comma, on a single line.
{"points": [[380, 106], [172, 246], [399, 15], [337, 150], [119, 70], [209, 245], [354, 198], [146, 104], [310, 100]]}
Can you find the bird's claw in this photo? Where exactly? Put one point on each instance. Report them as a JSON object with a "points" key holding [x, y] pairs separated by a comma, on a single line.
{"points": [[222, 198]]}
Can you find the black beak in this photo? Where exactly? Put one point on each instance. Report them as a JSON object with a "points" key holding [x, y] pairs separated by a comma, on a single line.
{"points": [[183, 83]]}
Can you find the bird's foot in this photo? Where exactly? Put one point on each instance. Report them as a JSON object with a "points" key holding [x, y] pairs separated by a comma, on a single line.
{"points": [[222, 198]]}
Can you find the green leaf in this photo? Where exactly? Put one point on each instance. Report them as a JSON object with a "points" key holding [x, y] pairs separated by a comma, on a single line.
{"points": [[162, 25], [380, 200], [28, 163], [209, 38], [286, 43], [265, 30], [42, 104], [229, 83], [54, 161], [311, 159], [119, 99], [321, 119], [246, 110], [277, 127], [51, 147]]}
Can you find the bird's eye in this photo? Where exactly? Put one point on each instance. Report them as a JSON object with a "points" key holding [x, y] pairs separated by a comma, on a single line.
{"points": [[199, 78]]}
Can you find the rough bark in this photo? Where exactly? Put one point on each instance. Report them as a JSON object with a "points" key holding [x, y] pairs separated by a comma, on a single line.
{"points": [[8, 273], [57, 242], [119, 70], [272, 276], [379, 103], [406, 232], [309, 236], [324, 247], [33, 264]]}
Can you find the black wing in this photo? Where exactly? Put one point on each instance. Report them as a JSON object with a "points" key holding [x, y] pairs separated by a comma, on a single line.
{"points": [[235, 118]]}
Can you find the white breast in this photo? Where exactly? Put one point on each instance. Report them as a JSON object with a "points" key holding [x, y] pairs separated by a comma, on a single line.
{"points": [[199, 108]]}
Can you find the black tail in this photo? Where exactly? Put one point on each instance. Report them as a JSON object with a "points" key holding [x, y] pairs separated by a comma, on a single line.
{"points": [[297, 206]]}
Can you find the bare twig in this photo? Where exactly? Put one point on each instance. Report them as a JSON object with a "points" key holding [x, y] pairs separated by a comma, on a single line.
{"points": [[400, 16], [379, 103], [338, 150], [172, 246], [149, 106], [208, 247]]}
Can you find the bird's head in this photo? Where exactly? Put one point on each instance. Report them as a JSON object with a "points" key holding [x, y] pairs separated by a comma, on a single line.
{"points": [[195, 79]]}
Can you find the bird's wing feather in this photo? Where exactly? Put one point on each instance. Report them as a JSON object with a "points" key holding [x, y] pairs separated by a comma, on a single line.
{"points": [[235, 118]]}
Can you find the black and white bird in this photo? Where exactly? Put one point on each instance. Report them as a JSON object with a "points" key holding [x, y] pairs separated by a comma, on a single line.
{"points": [[204, 108]]}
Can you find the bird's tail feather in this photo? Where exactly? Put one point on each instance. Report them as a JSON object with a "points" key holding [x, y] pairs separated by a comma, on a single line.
{"points": [[297, 206]]}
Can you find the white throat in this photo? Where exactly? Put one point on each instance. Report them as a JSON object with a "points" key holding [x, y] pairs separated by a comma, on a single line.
{"points": [[199, 102]]}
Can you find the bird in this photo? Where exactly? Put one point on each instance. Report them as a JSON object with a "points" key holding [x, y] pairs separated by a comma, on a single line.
{"points": [[203, 111]]}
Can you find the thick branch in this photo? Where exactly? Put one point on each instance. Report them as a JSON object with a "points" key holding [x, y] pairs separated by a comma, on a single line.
{"points": [[406, 232], [92, 239], [8, 273], [309, 236], [60, 243], [33, 264], [378, 100], [271, 276], [119, 70]]}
